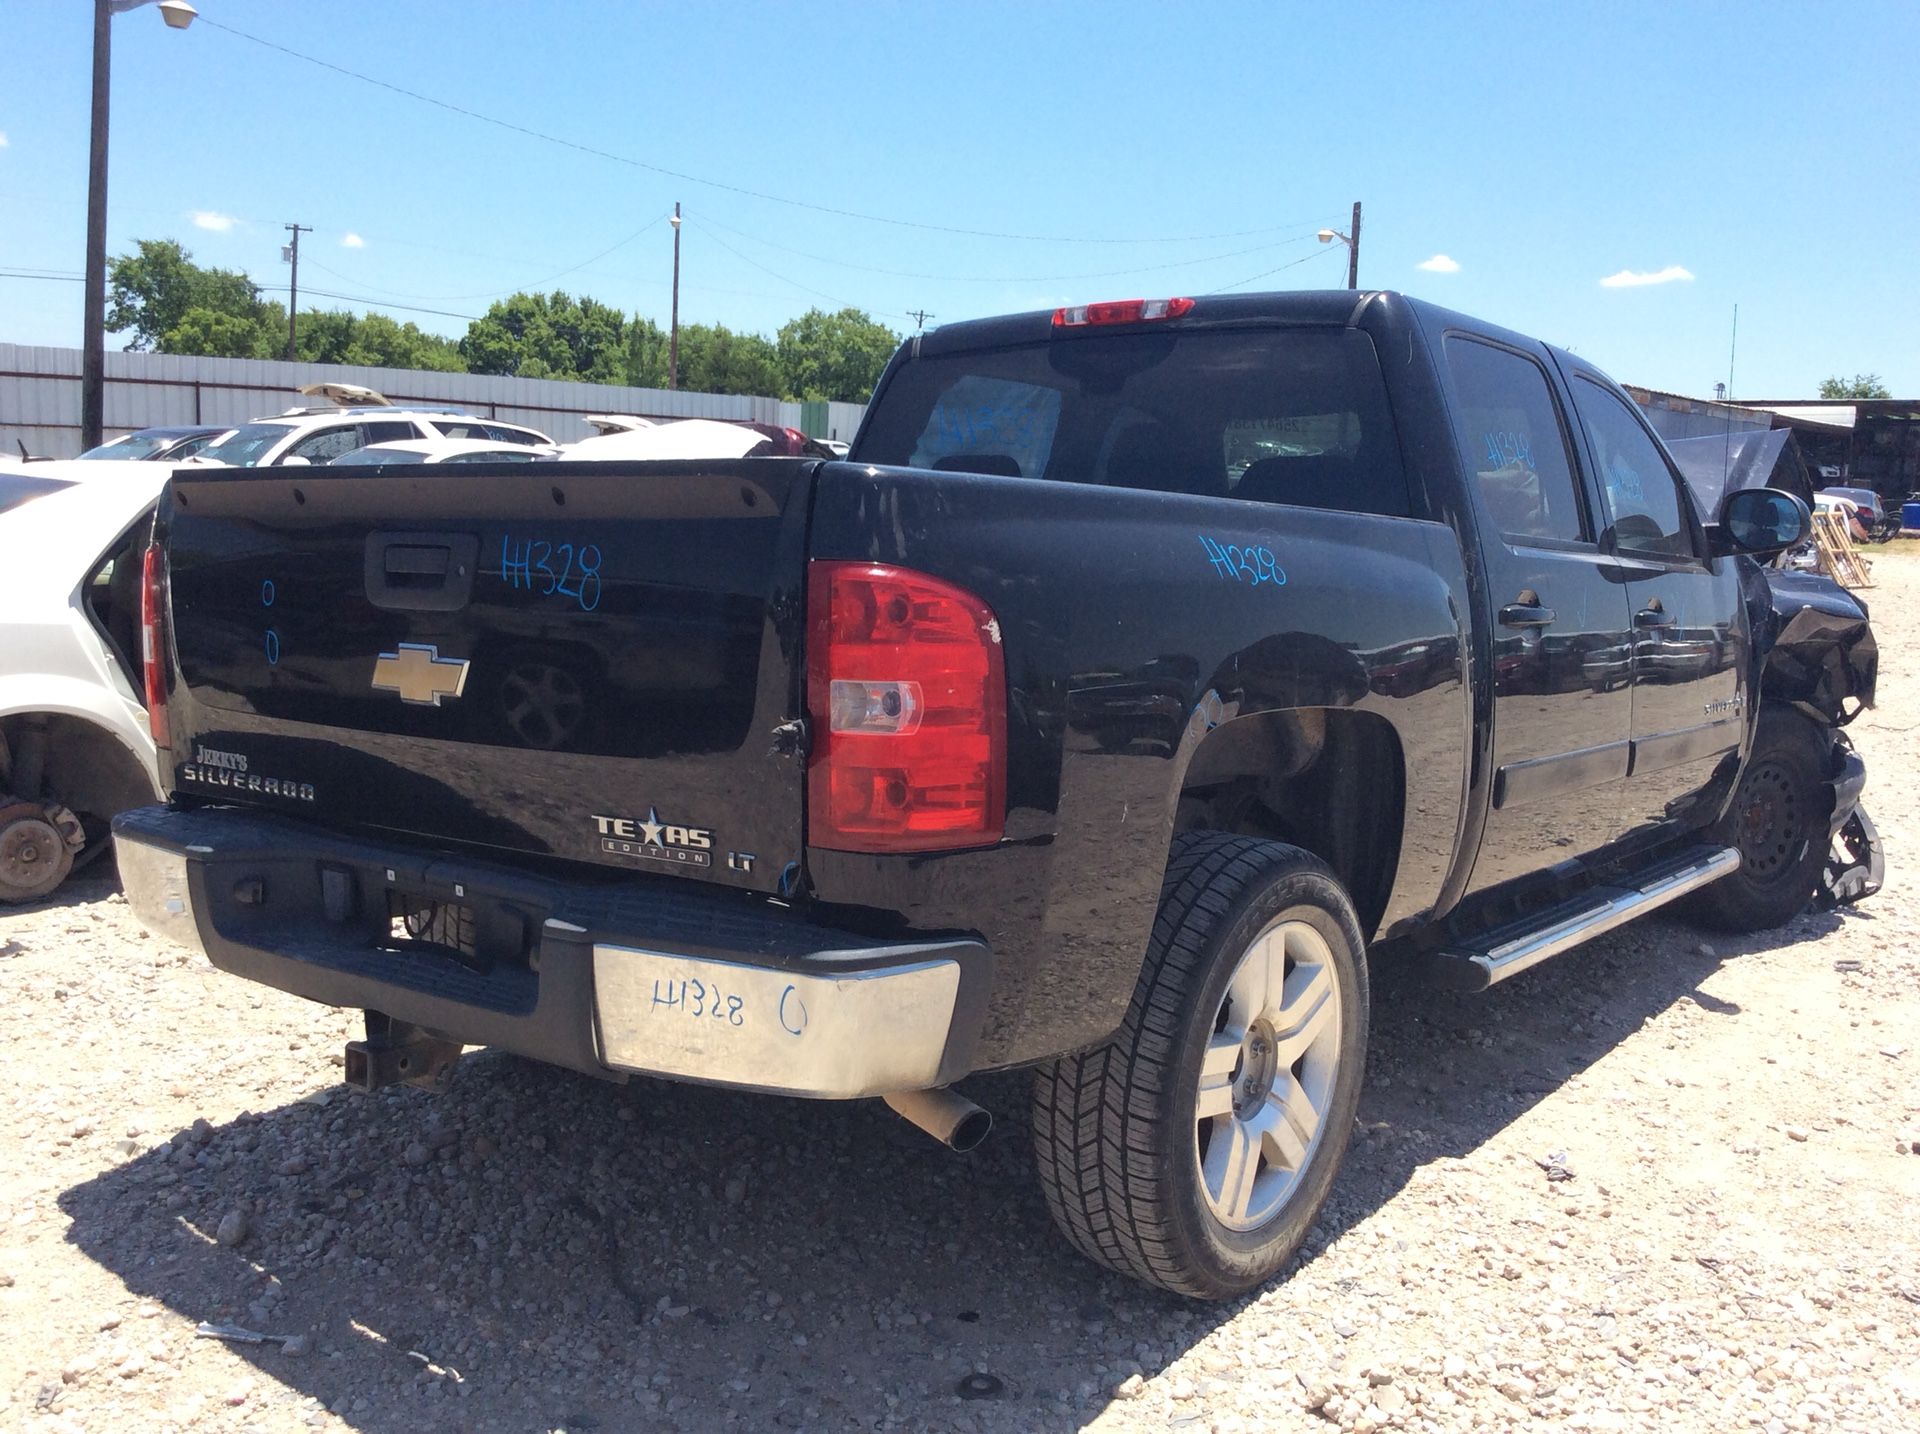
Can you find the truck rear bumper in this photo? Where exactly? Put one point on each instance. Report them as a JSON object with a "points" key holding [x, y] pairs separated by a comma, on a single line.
{"points": [[649, 975]]}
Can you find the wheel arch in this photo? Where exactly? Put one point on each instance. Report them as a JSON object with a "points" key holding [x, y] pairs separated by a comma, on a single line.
{"points": [[84, 765], [1329, 780]]}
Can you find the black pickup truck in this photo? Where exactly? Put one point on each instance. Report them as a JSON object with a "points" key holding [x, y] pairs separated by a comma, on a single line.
{"points": [[1148, 669]]}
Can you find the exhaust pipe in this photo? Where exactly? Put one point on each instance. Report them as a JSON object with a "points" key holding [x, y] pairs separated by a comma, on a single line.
{"points": [[951, 1119]]}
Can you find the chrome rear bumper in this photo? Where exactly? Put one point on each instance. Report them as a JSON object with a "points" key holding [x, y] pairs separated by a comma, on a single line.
{"points": [[657, 977]]}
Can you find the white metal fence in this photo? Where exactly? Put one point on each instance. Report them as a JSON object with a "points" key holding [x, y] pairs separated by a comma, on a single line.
{"points": [[40, 396]]}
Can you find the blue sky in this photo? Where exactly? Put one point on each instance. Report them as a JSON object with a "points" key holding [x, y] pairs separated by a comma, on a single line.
{"points": [[1765, 150]]}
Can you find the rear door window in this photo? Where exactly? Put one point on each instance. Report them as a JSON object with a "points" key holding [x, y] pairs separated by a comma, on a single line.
{"points": [[326, 445], [1513, 443], [1295, 416]]}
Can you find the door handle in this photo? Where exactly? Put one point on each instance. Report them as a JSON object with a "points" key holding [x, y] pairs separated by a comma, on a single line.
{"points": [[1525, 614], [1652, 617]]}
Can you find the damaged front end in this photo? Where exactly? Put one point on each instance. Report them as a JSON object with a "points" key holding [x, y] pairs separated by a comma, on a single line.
{"points": [[1813, 649]]}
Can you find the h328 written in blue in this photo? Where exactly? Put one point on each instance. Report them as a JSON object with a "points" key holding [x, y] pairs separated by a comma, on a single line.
{"points": [[552, 569], [1256, 567], [699, 1000]]}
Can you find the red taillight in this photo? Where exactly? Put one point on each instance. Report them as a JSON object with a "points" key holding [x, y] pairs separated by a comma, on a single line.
{"points": [[153, 638], [1121, 311], [907, 688]]}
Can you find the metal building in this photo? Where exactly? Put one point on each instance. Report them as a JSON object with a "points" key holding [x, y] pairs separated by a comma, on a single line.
{"points": [[40, 397]]}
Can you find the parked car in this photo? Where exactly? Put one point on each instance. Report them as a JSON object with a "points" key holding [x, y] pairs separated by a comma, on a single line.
{"points": [[445, 450], [320, 435], [1827, 501], [698, 438], [618, 422], [1042, 733], [1864, 499], [159, 445], [1881, 522], [75, 744]]}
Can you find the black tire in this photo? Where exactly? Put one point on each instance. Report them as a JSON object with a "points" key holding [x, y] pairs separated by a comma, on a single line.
{"points": [[1777, 821], [1116, 1130]]}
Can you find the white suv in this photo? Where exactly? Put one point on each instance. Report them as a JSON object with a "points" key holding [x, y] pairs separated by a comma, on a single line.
{"points": [[320, 435]]}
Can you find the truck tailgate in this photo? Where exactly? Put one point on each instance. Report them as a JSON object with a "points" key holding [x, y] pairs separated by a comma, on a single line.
{"points": [[590, 661]]}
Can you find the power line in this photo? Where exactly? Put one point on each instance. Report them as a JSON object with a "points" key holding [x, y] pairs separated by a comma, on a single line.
{"points": [[795, 283], [377, 303], [633, 163], [70, 277], [1253, 277], [53, 277], [1008, 278], [500, 293]]}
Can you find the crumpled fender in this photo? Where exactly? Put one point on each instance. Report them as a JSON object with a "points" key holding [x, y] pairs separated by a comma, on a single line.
{"points": [[1813, 645]]}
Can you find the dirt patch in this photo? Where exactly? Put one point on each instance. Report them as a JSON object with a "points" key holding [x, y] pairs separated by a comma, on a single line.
{"points": [[1666, 1179]]}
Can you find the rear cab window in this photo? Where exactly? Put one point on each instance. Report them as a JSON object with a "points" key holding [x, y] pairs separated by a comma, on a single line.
{"points": [[1271, 415]]}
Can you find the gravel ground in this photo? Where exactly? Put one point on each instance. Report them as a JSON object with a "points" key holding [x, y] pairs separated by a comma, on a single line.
{"points": [[1656, 1181]]}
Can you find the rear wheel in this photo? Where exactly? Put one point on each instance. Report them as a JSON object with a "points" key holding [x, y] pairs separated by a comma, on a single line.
{"points": [[1194, 1149], [35, 856], [1777, 821]]}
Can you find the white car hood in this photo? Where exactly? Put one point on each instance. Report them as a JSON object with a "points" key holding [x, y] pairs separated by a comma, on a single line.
{"points": [[688, 438]]}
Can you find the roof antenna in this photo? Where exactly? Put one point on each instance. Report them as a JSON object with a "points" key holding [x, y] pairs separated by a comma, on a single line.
{"points": [[1726, 448]]}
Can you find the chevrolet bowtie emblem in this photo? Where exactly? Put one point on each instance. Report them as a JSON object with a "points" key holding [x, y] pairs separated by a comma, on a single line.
{"points": [[420, 674]]}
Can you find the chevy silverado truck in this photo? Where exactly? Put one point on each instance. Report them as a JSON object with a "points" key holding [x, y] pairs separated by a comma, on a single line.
{"points": [[1147, 670]]}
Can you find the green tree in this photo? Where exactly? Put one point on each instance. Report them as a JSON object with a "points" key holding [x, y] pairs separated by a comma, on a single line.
{"points": [[647, 353], [218, 334], [336, 336], [549, 336], [1861, 385], [172, 305], [836, 356], [715, 359]]}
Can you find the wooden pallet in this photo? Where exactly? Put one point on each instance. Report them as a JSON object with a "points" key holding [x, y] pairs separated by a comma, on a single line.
{"points": [[1839, 559]]}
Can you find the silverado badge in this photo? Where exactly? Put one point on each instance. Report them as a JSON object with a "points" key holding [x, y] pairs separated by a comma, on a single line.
{"points": [[420, 674]]}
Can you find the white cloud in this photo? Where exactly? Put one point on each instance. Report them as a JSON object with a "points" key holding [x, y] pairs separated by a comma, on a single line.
{"points": [[1635, 278], [352, 241], [3, 139], [1439, 264], [213, 219]]}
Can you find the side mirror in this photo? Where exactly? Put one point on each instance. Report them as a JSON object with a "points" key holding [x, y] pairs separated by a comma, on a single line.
{"points": [[1760, 522], [296, 461]]}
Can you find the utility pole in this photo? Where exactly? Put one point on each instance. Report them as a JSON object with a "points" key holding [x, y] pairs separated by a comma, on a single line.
{"points": [[673, 341], [93, 319], [920, 317], [93, 352], [291, 253], [1353, 250]]}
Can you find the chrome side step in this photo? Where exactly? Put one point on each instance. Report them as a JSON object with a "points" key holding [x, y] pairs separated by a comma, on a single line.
{"points": [[1507, 950]]}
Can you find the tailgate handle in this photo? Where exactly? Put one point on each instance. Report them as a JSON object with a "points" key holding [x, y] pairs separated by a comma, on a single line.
{"points": [[415, 559], [421, 572]]}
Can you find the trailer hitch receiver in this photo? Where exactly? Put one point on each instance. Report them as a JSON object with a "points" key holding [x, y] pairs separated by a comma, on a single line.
{"points": [[395, 1052]]}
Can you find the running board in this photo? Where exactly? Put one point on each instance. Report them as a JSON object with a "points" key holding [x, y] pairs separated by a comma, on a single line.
{"points": [[1510, 949]]}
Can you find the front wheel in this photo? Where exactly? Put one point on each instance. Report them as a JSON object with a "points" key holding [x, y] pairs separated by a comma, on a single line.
{"points": [[1777, 821], [1195, 1148]]}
